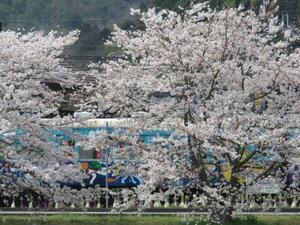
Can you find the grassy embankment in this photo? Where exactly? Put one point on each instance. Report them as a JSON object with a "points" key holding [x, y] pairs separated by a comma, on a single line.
{"points": [[140, 220]]}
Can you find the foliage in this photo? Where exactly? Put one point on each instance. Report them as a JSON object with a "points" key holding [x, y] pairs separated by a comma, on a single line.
{"points": [[29, 64], [292, 7], [99, 16], [169, 4], [91, 17], [222, 84], [70, 15], [65, 13]]}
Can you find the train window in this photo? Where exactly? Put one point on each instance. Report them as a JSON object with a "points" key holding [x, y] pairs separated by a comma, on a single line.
{"points": [[69, 143], [87, 154], [100, 153]]}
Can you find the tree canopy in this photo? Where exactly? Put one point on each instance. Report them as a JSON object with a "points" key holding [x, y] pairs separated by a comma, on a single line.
{"points": [[95, 19], [29, 63], [221, 86]]}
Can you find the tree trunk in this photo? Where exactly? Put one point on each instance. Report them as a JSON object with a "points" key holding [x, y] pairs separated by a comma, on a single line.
{"points": [[227, 215]]}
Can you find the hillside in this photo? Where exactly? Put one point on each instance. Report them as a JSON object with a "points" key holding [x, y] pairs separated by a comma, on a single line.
{"points": [[72, 14], [64, 14], [94, 18]]}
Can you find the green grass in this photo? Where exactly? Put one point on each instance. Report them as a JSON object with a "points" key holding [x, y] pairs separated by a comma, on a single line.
{"points": [[140, 220], [279, 220]]}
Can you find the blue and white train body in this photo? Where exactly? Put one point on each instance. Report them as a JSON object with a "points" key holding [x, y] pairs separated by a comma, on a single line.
{"points": [[98, 168]]}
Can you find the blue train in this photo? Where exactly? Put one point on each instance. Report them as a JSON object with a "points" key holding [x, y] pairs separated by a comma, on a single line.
{"points": [[94, 162]]}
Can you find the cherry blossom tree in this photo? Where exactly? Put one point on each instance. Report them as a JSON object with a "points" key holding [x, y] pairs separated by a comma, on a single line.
{"points": [[32, 159], [224, 85]]}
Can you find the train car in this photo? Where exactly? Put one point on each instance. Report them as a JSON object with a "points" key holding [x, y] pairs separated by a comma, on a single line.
{"points": [[98, 164]]}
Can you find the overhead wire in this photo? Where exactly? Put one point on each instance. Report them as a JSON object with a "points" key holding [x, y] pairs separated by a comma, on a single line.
{"points": [[49, 21]]}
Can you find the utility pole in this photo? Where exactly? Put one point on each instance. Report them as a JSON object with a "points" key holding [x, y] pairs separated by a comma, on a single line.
{"points": [[0, 26], [106, 180], [285, 19]]}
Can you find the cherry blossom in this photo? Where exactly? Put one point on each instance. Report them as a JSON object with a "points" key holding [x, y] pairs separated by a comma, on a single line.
{"points": [[223, 85]]}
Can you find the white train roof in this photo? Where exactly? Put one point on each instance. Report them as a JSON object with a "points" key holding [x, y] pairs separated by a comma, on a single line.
{"points": [[111, 122]]}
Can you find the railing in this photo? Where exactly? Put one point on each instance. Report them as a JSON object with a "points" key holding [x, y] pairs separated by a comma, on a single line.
{"points": [[250, 203]]}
